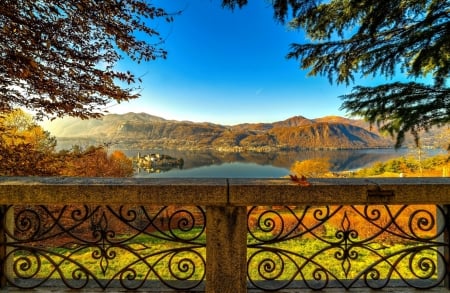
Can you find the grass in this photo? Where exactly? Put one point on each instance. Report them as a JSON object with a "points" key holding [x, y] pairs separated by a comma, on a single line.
{"points": [[147, 257], [396, 253], [300, 259]]}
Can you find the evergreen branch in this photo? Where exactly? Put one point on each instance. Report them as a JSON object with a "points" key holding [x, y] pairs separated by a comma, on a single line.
{"points": [[399, 108]]}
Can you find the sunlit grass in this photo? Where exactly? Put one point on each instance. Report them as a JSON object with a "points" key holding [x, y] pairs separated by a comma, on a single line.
{"points": [[147, 257], [301, 257]]}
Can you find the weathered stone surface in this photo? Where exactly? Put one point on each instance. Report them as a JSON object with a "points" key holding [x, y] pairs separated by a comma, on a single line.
{"points": [[30, 190], [226, 202], [340, 191], [226, 249]]}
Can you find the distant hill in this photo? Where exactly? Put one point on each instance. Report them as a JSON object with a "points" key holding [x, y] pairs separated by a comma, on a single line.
{"points": [[435, 137], [144, 131]]}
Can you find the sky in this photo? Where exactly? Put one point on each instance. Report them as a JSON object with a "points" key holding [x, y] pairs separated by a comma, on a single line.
{"points": [[229, 67]]}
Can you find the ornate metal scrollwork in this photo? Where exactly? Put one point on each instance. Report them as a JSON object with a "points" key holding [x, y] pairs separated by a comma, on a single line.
{"points": [[105, 246], [346, 246]]}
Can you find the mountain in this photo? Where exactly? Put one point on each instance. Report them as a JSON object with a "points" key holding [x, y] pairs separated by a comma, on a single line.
{"points": [[144, 131], [435, 137]]}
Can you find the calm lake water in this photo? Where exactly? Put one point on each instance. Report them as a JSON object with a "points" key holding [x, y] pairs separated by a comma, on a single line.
{"points": [[224, 170], [265, 165]]}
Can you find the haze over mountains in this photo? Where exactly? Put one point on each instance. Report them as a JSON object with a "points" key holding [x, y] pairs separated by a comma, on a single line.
{"points": [[145, 131]]}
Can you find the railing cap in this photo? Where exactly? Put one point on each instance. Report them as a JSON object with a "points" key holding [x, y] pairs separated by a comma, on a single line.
{"points": [[336, 191], [222, 191], [166, 191]]}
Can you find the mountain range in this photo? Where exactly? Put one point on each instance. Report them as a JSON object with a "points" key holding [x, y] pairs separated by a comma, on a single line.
{"points": [[145, 131]]}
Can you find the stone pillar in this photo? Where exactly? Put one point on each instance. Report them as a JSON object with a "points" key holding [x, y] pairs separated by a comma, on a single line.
{"points": [[6, 223], [446, 239], [226, 249]]}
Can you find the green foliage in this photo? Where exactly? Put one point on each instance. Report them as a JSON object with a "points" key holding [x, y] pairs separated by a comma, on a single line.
{"points": [[351, 39], [405, 165], [58, 57], [399, 108], [436, 162]]}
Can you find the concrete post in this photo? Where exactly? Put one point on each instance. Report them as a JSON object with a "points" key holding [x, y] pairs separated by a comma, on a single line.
{"points": [[226, 249]]}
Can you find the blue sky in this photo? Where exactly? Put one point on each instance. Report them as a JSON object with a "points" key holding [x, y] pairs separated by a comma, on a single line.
{"points": [[229, 67]]}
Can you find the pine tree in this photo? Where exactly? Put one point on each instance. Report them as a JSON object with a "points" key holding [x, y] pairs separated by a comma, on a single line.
{"points": [[360, 38]]}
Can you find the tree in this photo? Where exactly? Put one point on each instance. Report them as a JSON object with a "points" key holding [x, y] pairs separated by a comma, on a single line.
{"points": [[121, 165], [58, 57], [378, 38], [311, 168], [94, 161], [25, 148]]}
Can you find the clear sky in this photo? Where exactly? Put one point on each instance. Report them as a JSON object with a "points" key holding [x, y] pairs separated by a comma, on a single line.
{"points": [[229, 67]]}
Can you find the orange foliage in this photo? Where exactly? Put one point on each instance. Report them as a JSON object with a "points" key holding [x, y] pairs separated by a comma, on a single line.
{"points": [[413, 221], [95, 162], [25, 148], [311, 168], [121, 165], [407, 222]]}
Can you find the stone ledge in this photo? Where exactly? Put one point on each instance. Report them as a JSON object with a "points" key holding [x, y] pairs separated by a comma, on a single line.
{"points": [[221, 191], [36, 190], [341, 191]]}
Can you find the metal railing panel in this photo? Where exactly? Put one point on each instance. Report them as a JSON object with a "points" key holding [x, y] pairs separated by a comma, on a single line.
{"points": [[269, 234], [94, 246], [320, 247]]}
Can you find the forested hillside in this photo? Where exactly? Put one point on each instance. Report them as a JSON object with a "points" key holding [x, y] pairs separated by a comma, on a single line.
{"points": [[140, 130]]}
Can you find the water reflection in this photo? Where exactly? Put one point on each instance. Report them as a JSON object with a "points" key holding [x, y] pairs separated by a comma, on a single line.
{"points": [[262, 165], [224, 170]]}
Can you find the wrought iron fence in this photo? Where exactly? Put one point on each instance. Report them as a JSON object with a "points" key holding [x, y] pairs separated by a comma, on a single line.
{"points": [[347, 247], [223, 235], [105, 246]]}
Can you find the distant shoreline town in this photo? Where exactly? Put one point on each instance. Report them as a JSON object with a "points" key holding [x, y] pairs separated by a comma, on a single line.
{"points": [[143, 131]]}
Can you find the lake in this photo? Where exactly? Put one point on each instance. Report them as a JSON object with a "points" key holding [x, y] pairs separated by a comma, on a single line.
{"points": [[212, 164], [224, 170]]}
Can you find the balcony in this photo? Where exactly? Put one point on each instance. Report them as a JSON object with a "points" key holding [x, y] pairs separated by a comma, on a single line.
{"points": [[224, 235]]}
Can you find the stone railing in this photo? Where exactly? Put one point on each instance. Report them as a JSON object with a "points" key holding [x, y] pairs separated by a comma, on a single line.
{"points": [[224, 235]]}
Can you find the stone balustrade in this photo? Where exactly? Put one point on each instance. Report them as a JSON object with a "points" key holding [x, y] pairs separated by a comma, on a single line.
{"points": [[237, 238]]}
